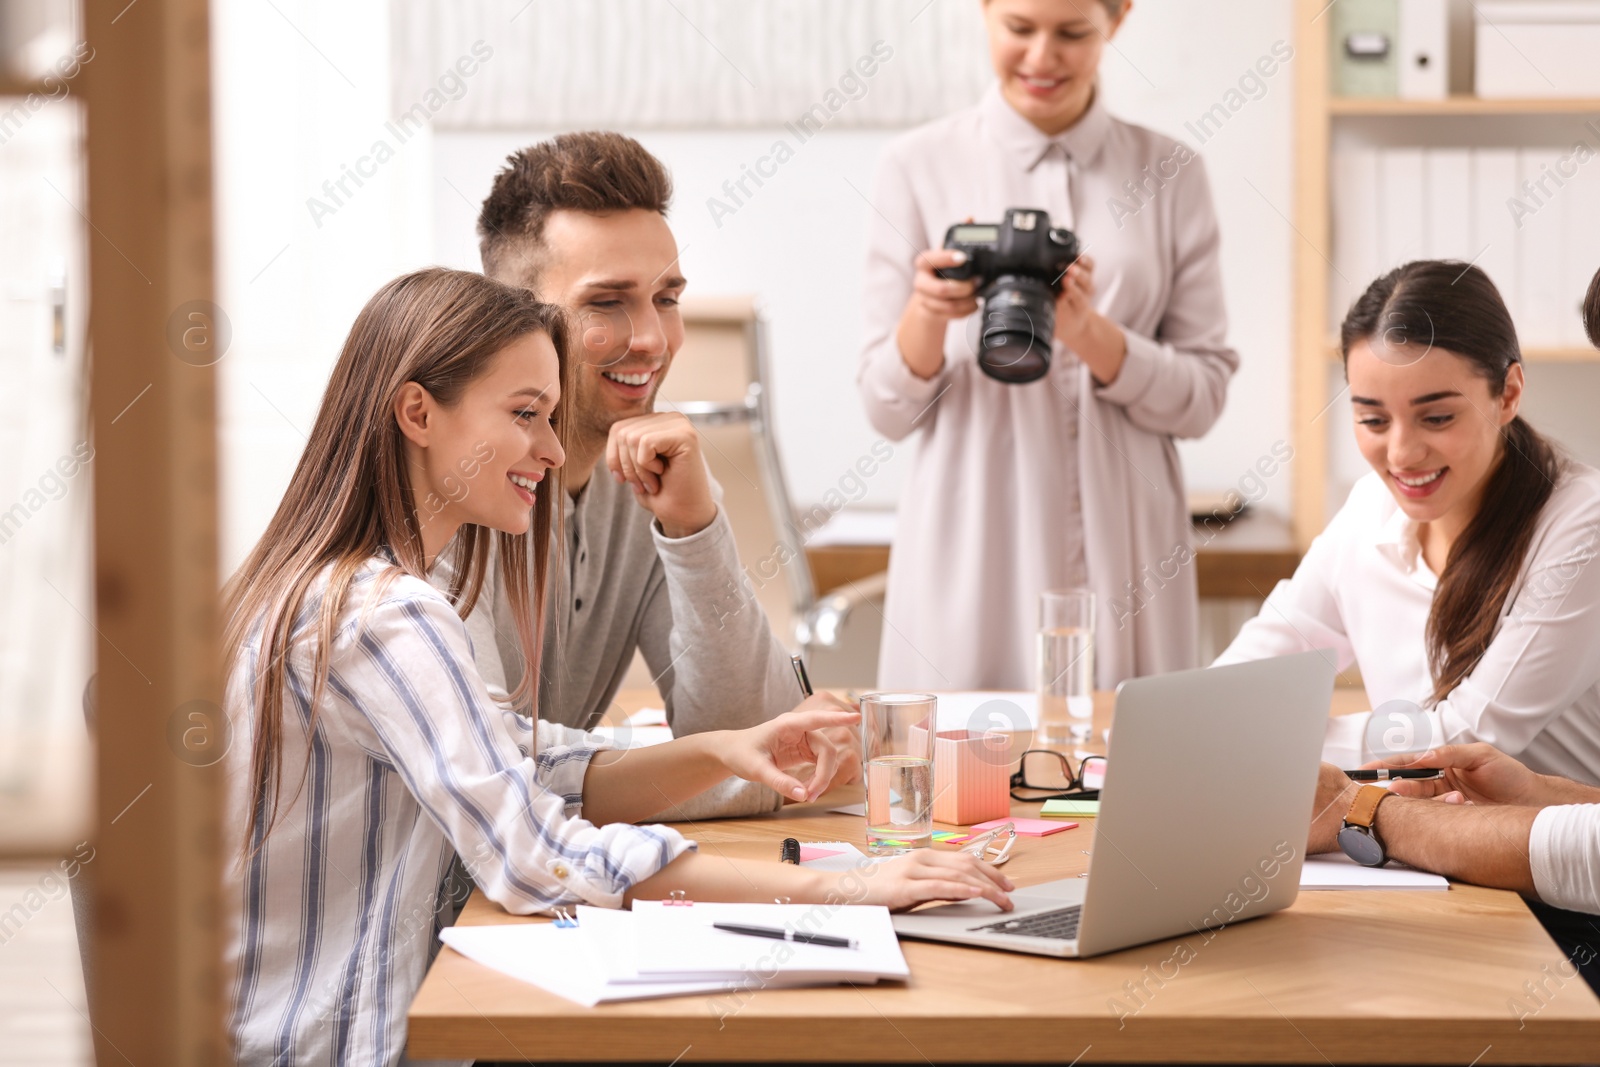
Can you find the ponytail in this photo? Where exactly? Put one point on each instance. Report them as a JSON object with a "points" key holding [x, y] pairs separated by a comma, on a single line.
{"points": [[1485, 560]]}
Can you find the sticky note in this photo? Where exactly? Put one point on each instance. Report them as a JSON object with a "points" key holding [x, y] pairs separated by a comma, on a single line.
{"points": [[1028, 827], [1068, 808], [816, 852]]}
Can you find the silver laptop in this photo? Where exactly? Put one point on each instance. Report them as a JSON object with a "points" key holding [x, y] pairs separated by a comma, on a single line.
{"points": [[1203, 816]]}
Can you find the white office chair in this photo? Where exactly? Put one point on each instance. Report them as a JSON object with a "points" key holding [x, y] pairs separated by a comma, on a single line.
{"points": [[718, 380]]}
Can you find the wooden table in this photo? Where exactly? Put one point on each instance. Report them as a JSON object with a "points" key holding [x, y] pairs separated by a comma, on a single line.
{"points": [[1352, 977], [1242, 558]]}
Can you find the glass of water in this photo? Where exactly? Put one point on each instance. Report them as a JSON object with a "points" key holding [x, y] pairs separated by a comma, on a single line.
{"points": [[897, 733], [1066, 666]]}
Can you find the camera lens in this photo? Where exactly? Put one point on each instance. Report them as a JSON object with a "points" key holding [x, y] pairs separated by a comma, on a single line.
{"points": [[1019, 319]]}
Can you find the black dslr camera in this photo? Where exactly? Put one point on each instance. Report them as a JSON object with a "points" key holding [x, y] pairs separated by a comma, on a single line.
{"points": [[1019, 264]]}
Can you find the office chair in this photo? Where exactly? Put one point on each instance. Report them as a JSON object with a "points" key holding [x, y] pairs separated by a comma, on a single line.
{"points": [[718, 380]]}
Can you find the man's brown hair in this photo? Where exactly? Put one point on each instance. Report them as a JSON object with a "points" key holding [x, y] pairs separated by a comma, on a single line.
{"points": [[593, 171]]}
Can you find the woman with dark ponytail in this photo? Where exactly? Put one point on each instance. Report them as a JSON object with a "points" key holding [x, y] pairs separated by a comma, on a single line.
{"points": [[1457, 576]]}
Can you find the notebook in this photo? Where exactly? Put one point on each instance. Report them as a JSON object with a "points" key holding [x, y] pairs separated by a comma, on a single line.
{"points": [[1338, 871], [678, 942]]}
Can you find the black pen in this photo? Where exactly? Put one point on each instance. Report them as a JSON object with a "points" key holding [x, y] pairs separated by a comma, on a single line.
{"points": [[778, 934], [800, 675], [1384, 774]]}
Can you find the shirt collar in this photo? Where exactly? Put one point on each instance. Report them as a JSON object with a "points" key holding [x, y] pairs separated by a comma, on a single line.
{"points": [[1028, 144], [1398, 539]]}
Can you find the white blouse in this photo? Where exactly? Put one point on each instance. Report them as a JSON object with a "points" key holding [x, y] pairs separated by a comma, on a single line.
{"points": [[1364, 592]]}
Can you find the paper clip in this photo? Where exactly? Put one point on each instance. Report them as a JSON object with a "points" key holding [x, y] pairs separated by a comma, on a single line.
{"points": [[678, 897], [564, 918]]}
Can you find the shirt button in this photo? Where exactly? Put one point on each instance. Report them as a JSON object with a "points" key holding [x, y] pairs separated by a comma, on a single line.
{"points": [[560, 870]]}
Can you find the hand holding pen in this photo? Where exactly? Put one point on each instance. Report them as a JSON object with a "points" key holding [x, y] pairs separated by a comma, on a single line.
{"points": [[846, 738]]}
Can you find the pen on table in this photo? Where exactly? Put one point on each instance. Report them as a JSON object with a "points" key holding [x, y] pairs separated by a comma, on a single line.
{"points": [[779, 934], [800, 674], [789, 851], [1384, 774]]}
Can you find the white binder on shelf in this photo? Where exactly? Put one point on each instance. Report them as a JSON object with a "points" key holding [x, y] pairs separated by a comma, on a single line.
{"points": [[1424, 47], [1539, 215], [1494, 232], [1355, 227], [1401, 214], [1447, 190], [1580, 201]]}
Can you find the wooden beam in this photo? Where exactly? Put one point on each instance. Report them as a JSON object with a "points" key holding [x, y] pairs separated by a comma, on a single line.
{"points": [[1311, 252], [156, 983]]}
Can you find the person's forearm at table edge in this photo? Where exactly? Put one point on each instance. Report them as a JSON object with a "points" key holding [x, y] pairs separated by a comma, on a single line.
{"points": [[1486, 845], [631, 785], [707, 877]]}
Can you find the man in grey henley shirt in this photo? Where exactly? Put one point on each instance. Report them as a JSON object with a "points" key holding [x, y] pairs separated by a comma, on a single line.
{"points": [[646, 558]]}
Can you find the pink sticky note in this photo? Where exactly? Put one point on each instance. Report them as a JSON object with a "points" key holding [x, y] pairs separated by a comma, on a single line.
{"points": [[1029, 827], [811, 852]]}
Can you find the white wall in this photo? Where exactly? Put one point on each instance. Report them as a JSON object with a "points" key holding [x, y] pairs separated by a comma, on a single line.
{"points": [[799, 243], [302, 89], [798, 246]]}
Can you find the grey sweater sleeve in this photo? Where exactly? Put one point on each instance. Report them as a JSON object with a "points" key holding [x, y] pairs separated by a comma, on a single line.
{"points": [[717, 663]]}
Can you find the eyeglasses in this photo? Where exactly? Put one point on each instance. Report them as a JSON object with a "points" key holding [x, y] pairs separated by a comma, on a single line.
{"points": [[992, 846], [1028, 784]]}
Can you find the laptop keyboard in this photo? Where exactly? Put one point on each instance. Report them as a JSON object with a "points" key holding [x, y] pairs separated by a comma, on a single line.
{"points": [[1060, 924]]}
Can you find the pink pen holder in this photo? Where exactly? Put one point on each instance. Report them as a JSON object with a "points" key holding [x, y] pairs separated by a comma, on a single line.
{"points": [[971, 777]]}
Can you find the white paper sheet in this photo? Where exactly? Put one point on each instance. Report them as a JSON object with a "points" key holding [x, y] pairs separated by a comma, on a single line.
{"points": [[982, 710], [635, 736], [1338, 871], [558, 960]]}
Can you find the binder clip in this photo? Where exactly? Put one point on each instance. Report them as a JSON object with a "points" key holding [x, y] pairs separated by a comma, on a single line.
{"points": [[564, 918], [679, 898]]}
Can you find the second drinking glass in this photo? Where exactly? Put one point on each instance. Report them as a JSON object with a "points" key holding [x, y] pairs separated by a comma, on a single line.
{"points": [[1066, 666], [897, 732]]}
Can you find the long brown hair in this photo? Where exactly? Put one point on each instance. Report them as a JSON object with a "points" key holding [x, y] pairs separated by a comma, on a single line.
{"points": [[350, 498], [1455, 307]]}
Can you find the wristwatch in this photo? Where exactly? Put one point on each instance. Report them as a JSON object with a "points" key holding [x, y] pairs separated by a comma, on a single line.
{"points": [[1358, 839]]}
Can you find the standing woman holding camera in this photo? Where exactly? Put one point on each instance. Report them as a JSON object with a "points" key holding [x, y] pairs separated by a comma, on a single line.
{"points": [[1072, 479]]}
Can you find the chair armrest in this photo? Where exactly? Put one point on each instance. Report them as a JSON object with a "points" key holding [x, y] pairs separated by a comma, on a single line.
{"points": [[822, 625]]}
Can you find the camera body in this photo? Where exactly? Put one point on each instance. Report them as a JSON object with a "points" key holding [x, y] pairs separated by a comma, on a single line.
{"points": [[1019, 263]]}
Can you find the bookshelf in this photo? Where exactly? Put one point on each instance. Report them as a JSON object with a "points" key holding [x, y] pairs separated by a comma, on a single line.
{"points": [[1317, 111], [10, 85], [1456, 105], [1530, 353]]}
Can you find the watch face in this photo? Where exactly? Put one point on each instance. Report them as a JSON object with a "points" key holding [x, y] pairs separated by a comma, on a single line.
{"points": [[1357, 843]]}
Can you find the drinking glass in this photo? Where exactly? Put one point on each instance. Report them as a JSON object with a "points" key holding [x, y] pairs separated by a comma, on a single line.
{"points": [[897, 733], [1066, 666]]}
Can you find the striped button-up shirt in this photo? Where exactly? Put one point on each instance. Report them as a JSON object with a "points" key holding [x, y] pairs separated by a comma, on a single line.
{"points": [[406, 763]]}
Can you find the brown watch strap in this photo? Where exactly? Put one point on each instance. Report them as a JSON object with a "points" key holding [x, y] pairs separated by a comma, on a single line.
{"points": [[1364, 810]]}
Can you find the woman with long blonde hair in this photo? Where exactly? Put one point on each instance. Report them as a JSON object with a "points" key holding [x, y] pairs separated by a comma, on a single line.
{"points": [[375, 754]]}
